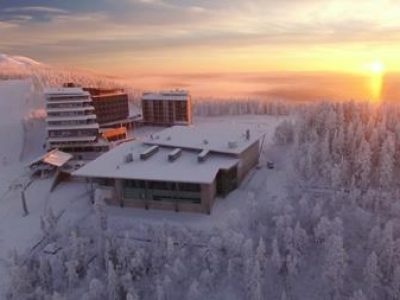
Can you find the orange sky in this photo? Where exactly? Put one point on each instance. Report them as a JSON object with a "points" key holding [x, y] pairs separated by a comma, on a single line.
{"points": [[136, 38]]}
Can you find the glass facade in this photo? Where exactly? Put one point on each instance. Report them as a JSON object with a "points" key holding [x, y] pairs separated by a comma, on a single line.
{"points": [[171, 192]]}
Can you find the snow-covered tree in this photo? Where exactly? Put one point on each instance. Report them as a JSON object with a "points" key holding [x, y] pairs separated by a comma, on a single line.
{"points": [[363, 164], [261, 254], [386, 162], [194, 292], [96, 289], [276, 258], [372, 274], [335, 264], [112, 283], [101, 214], [386, 250], [358, 295]]}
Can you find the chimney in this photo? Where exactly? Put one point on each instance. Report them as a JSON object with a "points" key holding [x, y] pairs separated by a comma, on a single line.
{"points": [[248, 134]]}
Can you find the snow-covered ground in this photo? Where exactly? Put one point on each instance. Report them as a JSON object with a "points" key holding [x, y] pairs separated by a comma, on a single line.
{"points": [[21, 134]]}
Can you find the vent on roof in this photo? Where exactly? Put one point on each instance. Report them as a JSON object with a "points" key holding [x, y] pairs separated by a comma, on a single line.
{"points": [[205, 142], [128, 158], [232, 145], [148, 152], [248, 134], [174, 154], [203, 155]]}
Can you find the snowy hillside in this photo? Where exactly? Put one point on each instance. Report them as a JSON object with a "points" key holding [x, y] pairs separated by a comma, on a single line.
{"points": [[16, 61], [21, 130], [323, 224], [43, 75]]}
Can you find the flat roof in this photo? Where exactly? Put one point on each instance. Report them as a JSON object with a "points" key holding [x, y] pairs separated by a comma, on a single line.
{"points": [[177, 95], [224, 138], [55, 158], [66, 91], [157, 167]]}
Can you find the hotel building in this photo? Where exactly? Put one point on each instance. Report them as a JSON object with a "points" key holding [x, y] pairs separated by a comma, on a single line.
{"points": [[110, 105], [167, 108], [180, 168], [71, 123]]}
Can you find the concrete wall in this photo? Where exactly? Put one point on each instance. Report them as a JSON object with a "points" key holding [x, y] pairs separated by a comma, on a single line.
{"points": [[208, 193], [248, 160]]}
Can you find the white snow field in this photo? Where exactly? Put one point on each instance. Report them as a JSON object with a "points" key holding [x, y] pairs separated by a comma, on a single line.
{"points": [[21, 139], [323, 224]]}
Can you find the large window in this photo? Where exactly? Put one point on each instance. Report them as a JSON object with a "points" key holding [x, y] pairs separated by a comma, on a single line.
{"points": [[162, 191], [189, 187]]}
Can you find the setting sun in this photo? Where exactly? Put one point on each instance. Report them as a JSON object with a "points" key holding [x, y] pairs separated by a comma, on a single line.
{"points": [[377, 67], [377, 70]]}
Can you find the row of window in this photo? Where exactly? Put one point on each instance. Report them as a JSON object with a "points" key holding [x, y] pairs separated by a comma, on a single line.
{"points": [[71, 122], [73, 133], [68, 98], [162, 185], [67, 105], [69, 113]]}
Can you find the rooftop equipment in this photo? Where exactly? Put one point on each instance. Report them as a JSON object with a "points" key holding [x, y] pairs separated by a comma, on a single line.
{"points": [[232, 145], [129, 158], [203, 155], [148, 152], [174, 154]]}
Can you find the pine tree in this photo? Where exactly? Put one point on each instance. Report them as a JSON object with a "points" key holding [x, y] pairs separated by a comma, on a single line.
{"points": [[335, 264], [261, 254], [395, 283], [193, 292], [300, 238], [363, 164], [276, 258], [96, 289], [386, 162], [101, 214], [371, 274], [72, 275], [358, 295], [387, 248], [255, 285], [112, 283], [45, 275]]}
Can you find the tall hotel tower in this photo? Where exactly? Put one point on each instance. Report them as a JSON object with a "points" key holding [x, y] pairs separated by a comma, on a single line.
{"points": [[71, 122]]}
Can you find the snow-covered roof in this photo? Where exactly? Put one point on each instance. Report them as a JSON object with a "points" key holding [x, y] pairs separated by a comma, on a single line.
{"points": [[227, 138], [55, 158], [65, 91], [157, 167], [178, 95], [72, 127]]}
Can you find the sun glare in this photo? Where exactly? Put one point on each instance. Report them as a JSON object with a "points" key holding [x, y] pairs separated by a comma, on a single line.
{"points": [[377, 70], [377, 67]]}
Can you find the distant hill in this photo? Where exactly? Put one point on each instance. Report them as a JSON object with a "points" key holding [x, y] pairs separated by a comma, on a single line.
{"points": [[17, 61], [44, 75]]}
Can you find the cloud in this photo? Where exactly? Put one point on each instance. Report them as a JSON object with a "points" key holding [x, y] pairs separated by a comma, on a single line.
{"points": [[73, 29], [35, 9]]}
